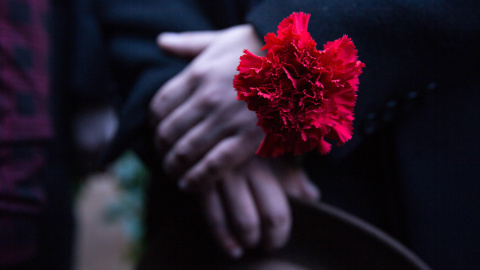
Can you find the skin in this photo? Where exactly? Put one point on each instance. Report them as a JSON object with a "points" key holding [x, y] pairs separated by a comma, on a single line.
{"points": [[208, 140], [248, 208], [202, 130]]}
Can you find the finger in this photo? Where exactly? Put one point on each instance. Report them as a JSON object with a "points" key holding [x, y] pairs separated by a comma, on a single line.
{"points": [[185, 121], [216, 220], [222, 158], [272, 205], [189, 148], [241, 209], [177, 123], [173, 93], [297, 184], [186, 44], [197, 141]]}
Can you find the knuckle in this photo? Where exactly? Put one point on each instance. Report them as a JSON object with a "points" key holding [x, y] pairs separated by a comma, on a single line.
{"points": [[275, 221], [248, 228], [183, 150], [213, 167], [163, 135], [197, 72], [226, 157], [207, 102], [179, 159], [214, 97], [217, 164]]}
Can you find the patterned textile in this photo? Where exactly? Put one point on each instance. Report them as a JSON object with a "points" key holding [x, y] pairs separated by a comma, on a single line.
{"points": [[24, 123]]}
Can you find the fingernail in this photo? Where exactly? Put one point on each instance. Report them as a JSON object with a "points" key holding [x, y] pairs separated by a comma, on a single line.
{"points": [[236, 252]]}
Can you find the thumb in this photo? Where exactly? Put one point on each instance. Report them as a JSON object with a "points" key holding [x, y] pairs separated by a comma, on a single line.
{"points": [[186, 44]]}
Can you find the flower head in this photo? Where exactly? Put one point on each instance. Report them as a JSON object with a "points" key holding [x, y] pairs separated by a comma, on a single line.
{"points": [[301, 95]]}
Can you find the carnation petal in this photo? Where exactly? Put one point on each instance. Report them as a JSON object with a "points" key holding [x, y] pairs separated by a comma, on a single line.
{"points": [[294, 81], [342, 132], [324, 147], [298, 20], [301, 95], [344, 47], [249, 61]]}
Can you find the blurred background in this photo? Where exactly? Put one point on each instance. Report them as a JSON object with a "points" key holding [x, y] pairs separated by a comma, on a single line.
{"points": [[102, 208], [108, 211], [107, 205]]}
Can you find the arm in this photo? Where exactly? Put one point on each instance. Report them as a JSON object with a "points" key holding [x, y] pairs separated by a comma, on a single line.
{"points": [[407, 46]]}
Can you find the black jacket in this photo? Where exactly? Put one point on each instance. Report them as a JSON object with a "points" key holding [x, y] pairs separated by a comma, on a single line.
{"points": [[411, 165]]}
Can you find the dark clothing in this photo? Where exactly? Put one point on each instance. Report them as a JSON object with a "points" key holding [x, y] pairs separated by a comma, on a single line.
{"points": [[25, 126], [36, 222], [24, 73], [410, 167]]}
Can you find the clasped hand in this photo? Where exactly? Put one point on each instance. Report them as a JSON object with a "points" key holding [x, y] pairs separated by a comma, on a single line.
{"points": [[202, 130], [208, 139]]}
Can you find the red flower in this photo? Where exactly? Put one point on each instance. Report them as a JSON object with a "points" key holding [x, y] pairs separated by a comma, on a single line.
{"points": [[301, 95]]}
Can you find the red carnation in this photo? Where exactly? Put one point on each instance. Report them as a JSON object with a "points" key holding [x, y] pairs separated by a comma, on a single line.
{"points": [[301, 95]]}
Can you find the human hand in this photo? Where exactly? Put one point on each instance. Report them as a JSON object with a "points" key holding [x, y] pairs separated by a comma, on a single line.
{"points": [[202, 131], [248, 207]]}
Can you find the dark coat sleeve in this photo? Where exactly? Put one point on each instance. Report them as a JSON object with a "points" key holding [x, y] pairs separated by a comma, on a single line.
{"points": [[127, 32], [413, 170], [410, 48]]}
